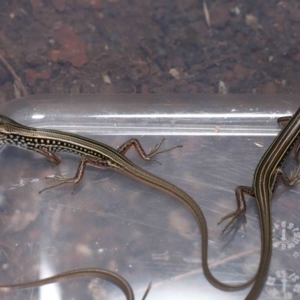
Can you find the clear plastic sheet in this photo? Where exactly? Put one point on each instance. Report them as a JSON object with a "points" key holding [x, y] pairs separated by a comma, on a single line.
{"points": [[115, 222]]}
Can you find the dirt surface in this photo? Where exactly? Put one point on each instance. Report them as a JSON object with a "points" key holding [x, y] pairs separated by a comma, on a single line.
{"points": [[113, 46]]}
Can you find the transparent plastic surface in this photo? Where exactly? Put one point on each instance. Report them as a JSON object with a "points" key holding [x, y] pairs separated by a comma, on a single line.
{"points": [[115, 222]]}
